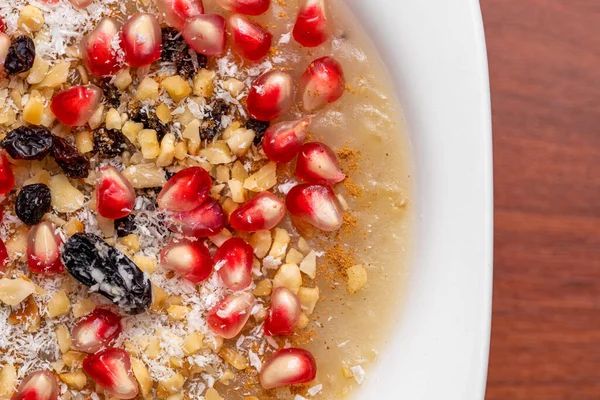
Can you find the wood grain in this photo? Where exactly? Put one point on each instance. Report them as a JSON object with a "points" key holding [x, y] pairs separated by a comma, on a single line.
{"points": [[545, 76]]}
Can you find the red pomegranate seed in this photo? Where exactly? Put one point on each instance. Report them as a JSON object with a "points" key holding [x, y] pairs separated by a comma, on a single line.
{"points": [[186, 190], [270, 95], [233, 260], [39, 385], [81, 3], [111, 369], [115, 196], [322, 83], [43, 254], [4, 46], [283, 141], [284, 313], [3, 256], [250, 40], [141, 40], [2, 26], [311, 29], [317, 163], [189, 259], [315, 204], [288, 367], [205, 34], [76, 105], [176, 12], [261, 213], [248, 7], [7, 178], [227, 319], [96, 330], [97, 48], [206, 220]]}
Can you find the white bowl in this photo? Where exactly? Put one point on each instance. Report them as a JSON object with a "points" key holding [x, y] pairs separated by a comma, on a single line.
{"points": [[435, 54]]}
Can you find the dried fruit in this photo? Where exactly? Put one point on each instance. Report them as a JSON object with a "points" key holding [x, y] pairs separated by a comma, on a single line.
{"points": [[310, 29], [315, 204], [176, 12], [228, 317], [248, 7], [263, 212], [112, 94], [250, 40], [283, 141], [317, 163], [270, 95], [111, 369], [75, 106], [259, 128], [43, 254], [126, 225], [32, 203], [96, 330], [150, 121], [7, 178], [98, 48], [205, 34], [109, 143], [39, 385], [190, 259], [28, 143], [322, 83], [288, 367], [91, 261], [21, 55], [74, 164], [115, 196], [284, 313], [203, 221], [233, 260], [141, 40], [186, 190]]}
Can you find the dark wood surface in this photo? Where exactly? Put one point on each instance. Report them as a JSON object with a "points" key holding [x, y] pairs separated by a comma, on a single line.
{"points": [[545, 76]]}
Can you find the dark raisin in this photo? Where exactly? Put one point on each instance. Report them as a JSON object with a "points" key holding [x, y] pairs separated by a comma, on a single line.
{"points": [[177, 51], [259, 128], [125, 226], [219, 108], [150, 121], [111, 93], [74, 164], [109, 143], [172, 43], [21, 54], [208, 130], [93, 262], [28, 142], [32, 203]]}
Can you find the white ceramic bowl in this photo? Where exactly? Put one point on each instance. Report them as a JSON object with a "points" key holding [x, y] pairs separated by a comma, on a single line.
{"points": [[435, 53]]}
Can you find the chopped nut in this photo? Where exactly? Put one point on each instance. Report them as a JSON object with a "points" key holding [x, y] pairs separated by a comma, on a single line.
{"points": [[238, 171], [263, 288], [235, 359], [142, 375], [147, 90], [8, 381], [65, 197], [289, 276], [167, 151], [76, 380], [217, 153], [264, 179], [107, 226], [56, 76], [159, 297], [84, 142], [347, 372], [233, 86], [63, 337], [144, 176], [193, 343], [83, 307], [204, 83], [113, 120], [240, 141], [308, 298], [97, 117], [280, 243], [214, 343], [294, 257], [31, 19], [131, 241], [146, 264], [261, 242], [192, 134], [123, 79], [309, 265], [173, 384], [357, 278], [149, 143], [58, 305], [222, 174], [227, 377], [14, 291], [177, 313], [131, 130], [238, 193], [181, 150], [38, 71], [303, 321], [153, 349], [33, 111], [163, 113], [230, 206], [28, 315], [212, 394], [73, 359], [41, 177], [221, 237], [73, 226], [176, 87]]}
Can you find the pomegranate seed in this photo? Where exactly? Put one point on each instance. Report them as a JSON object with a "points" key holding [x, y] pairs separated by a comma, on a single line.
{"points": [[270, 95], [43, 254], [206, 220], [315, 204], [205, 34], [261, 213], [288, 367], [283, 141], [317, 163], [322, 83], [234, 263], [111, 369], [310, 29], [176, 12], [97, 49], [228, 317], [76, 105], [2, 26], [186, 190], [3, 256], [249, 39], [39, 385], [96, 330], [7, 178], [115, 196], [4, 46], [284, 313], [248, 7], [189, 259], [141, 40], [81, 3]]}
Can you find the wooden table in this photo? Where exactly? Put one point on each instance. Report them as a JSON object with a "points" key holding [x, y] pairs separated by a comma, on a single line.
{"points": [[545, 75]]}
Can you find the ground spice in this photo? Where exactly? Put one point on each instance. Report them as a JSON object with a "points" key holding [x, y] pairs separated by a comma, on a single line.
{"points": [[340, 259], [353, 189], [349, 158]]}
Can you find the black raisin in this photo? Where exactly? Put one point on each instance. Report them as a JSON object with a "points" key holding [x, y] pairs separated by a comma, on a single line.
{"points": [[150, 121], [172, 43], [93, 262], [109, 143], [28, 142], [21, 54], [219, 108], [208, 130], [176, 50], [126, 225], [74, 164], [32, 203], [259, 128], [111, 93]]}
